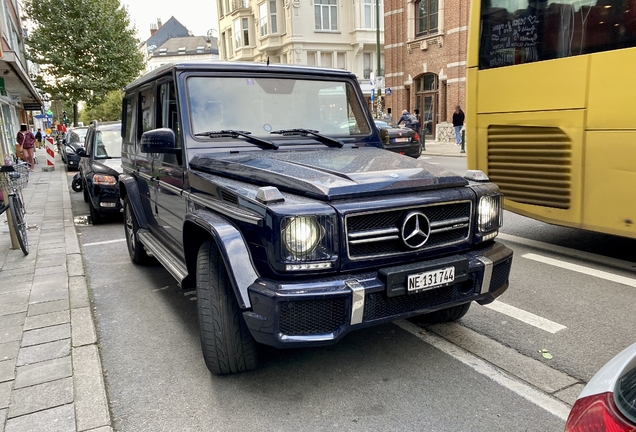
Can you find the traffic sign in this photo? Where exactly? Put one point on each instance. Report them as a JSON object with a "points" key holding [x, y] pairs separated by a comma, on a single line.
{"points": [[388, 91]]}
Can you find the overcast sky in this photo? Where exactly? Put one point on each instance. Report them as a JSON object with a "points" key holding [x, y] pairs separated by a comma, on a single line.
{"points": [[197, 16]]}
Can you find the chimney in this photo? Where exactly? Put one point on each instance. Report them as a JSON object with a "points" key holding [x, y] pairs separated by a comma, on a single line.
{"points": [[159, 23], [153, 29]]}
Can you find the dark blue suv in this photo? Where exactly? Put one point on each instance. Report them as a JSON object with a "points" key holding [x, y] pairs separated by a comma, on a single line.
{"points": [[240, 180]]}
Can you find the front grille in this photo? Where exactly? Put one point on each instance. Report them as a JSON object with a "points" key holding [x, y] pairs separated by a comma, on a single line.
{"points": [[500, 274], [378, 234], [378, 305], [531, 165], [312, 316]]}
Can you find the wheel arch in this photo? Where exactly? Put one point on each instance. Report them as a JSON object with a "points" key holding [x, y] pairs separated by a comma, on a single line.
{"points": [[128, 188], [201, 226]]}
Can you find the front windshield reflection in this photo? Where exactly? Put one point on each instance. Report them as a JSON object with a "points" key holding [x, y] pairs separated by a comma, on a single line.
{"points": [[108, 144], [262, 105]]}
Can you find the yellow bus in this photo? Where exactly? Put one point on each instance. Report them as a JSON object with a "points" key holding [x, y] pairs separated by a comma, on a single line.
{"points": [[551, 108]]}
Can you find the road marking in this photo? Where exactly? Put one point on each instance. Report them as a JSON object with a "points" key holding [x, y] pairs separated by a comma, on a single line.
{"points": [[105, 242], [582, 269], [526, 317], [161, 289], [540, 399], [588, 256]]}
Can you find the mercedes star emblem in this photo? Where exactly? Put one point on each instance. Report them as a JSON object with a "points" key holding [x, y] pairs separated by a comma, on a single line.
{"points": [[415, 230]]}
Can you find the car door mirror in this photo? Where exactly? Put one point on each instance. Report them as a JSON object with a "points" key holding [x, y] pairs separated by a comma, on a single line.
{"points": [[80, 152], [159, 141]]}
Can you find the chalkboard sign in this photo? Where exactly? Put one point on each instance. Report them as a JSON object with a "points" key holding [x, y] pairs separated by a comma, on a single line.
{"points": [[509, 40]]}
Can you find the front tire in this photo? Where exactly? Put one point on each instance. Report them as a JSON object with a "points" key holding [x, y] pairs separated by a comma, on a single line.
{"points": [[136, 250], [19, 223], [228, 347]]}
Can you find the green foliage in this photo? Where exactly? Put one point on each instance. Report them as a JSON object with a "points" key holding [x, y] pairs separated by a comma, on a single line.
{"points": [[109, 109], [85, 48]]}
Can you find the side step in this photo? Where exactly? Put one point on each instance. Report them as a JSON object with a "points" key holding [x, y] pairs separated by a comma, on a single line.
{"points": [[175, 266]]}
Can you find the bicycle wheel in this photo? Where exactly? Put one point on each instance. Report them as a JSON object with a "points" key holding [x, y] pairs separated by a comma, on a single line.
{"points": [[19, 223]]}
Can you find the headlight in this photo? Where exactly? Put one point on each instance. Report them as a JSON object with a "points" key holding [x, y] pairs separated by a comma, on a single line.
{"points": [[489, 213], [104, 180], [301, 235]]}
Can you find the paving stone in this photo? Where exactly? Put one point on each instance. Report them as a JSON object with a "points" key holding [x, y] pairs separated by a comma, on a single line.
{"points": [[9, 350], [27, 277], [10, 309], [3, 417], [50, 261], [83, 327], [15, 297], [12, 320], [47, 307], [46, 334], [15, 287], [75, 265], [10, 334], [91, 404], [47, 320], [59, 419], [7, 370], [43, 352], [5, 393], [55, 245], [48, 271], [102, 429], [40, 397], [50, 283], [12, 271], [42, 372], [53, 251], [48, 296], [570, 394], [78, 292]]}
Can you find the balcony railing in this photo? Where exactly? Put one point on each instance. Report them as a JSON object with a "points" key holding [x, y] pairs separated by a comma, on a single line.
{"points": [[239, 4]]}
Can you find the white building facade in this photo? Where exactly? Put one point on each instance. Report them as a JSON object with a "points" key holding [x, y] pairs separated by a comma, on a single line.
{"points": [[327, 33]]}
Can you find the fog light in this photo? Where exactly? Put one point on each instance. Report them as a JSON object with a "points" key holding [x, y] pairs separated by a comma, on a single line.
{"points": [[308, 266]]}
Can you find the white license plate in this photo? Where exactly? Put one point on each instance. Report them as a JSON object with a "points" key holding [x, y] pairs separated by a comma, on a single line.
{"points": [[402, 139], [431, 279]]}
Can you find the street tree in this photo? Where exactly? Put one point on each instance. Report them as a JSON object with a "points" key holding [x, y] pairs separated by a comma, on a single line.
{"points": [[85, 49], [107, 110]]}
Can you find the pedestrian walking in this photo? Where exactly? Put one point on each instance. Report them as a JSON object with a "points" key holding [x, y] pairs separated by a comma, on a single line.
{"points": [[418, 125], [27, 140], [38, 138], [409, 120], [458, 123]]}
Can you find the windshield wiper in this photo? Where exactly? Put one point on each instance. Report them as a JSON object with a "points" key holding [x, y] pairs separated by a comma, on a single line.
{"points": [[331, 142], [237, 133]]}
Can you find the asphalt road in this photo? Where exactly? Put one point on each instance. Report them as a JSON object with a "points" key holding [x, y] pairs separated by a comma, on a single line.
{"points": [[482, 374]]}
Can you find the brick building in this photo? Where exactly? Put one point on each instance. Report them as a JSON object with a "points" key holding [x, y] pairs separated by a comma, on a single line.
{"points": [[425, 54]]}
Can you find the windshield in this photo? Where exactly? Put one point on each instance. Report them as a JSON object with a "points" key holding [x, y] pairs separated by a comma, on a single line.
{"points": [[108, 144], [77, 136], [262, 105]]}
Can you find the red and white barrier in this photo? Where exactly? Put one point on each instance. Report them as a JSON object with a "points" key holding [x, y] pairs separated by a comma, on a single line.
{"points": [[50, 152]]}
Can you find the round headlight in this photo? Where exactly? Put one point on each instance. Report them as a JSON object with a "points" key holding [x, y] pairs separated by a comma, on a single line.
{"points": [[302, 234]]}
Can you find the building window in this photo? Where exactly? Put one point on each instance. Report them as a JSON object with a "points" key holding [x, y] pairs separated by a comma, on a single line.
{"points": [[326, 14], [262, 19], [229, 43], [366, 64], [223, 47], [369, 18], [273, 21], [237, 34], [426, 17], [326, 59], [221, 13], [311, 58], [341, 60], [246, 32]]}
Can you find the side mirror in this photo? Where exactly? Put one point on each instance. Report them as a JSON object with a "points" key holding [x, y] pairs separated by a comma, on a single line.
{"points": [[159, 141], [81, 152]]}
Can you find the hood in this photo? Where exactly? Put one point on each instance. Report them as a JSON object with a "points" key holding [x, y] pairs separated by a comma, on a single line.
{"points": [[108, 165], [330, 173]]}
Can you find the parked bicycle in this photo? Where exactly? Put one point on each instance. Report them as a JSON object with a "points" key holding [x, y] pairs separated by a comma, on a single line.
{"points": [[12, 179]]}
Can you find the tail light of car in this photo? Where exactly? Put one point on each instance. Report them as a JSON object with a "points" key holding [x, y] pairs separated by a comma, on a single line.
{"points": [[597, 413], [417, 137]]}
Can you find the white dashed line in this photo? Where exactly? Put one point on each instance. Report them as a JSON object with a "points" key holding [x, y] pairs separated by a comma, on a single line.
{"points": [[526, 317], [540, 399], [104, 242], [582, 269]]}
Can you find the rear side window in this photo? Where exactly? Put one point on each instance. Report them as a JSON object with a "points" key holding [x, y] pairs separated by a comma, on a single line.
{"points": [[128, 118]]}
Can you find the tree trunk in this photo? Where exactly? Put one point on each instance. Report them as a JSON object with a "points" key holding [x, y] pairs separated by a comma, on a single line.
{"points": [[75, 114]]}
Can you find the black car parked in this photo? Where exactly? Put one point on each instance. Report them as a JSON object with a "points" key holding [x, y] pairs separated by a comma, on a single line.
{"points": [[100, 167], [398, 139], [72, 141], [241, 182]]}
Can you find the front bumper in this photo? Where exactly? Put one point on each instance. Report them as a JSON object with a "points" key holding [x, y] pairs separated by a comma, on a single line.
{"points": [[72, 161], [321, 312]]}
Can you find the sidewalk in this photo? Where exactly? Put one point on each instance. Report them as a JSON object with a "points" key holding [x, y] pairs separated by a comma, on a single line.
{"points": [[50, 370], [438, 148]]}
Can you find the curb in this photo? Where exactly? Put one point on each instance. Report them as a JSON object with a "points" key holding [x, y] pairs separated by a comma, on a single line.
{"points": [[91, 401]]}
